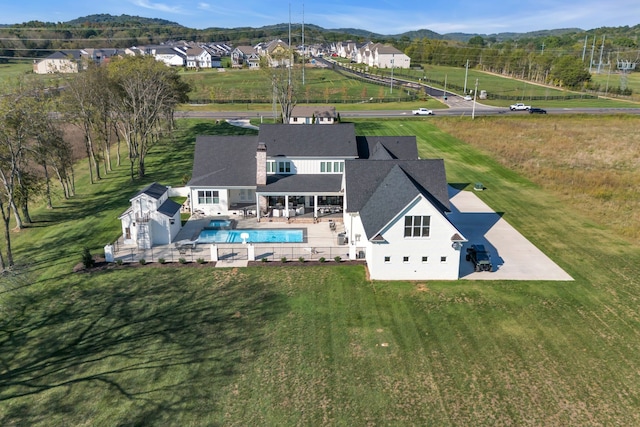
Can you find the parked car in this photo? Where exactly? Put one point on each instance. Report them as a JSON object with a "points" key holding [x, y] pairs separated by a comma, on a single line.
{"points": [[480, 258], [468, 98], [537, 111]]}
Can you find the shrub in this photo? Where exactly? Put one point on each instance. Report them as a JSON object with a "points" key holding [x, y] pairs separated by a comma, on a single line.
{"points": [[119, 262], [283, 259], [161, 260], [142, 261], [322, 259], [87, 258], [265, 259], [337, 258], [182, 261], [301, 259], [200, 261]]}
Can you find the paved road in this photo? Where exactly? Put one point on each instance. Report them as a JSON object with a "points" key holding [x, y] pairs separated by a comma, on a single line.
{"points": [[456, 107]]}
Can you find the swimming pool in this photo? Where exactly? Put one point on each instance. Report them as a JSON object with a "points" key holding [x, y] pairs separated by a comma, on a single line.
{"points": [[280, 235], [219, 223]]}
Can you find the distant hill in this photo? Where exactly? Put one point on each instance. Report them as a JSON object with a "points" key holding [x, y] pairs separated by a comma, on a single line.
{"points": [[105, 18]]}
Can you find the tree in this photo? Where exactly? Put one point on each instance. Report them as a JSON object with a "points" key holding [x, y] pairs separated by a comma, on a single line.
{"points": [[283, 81], [146, 95], [570, 71]]}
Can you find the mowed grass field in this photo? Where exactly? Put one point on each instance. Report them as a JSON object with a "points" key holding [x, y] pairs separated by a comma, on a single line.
{"points": [[200, 346]]}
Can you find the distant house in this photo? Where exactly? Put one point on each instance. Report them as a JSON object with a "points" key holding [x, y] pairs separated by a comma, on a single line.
{"points": [[245, 56], [382, 56], [198, 57], [59, 62], [172, 56], [152, 219], [276, 53], [317, 114]]}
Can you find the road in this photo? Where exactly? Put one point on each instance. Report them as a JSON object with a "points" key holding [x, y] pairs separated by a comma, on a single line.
{"points": [[455, 106]]}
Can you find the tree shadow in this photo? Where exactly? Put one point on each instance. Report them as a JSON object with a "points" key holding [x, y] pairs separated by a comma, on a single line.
{"points": [[163, 349]]}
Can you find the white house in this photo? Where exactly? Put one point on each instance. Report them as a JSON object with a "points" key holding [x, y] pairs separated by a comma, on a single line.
{"points": [[152, 219], [198, 57], [317, 114], [382, 56], [172, 56], [59, 62], [394, 205]]}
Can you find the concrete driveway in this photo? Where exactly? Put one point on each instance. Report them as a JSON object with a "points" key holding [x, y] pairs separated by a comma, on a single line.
{"points": [[513, 256]]}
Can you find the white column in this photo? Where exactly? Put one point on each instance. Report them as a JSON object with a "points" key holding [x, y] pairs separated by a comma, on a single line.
{"points": [[214, 253], [315, 206], [286, 205], [251, 252]]}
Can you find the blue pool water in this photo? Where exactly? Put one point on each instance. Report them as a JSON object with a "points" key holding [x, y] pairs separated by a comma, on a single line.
{"points": [[219, 223], [255, 236]]}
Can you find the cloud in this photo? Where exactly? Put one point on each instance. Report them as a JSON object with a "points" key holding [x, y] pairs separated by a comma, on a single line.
{"points": [[162, 7]]}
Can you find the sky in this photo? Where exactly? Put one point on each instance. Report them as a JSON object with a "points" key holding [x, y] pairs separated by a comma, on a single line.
{"points": [[385, 17]]}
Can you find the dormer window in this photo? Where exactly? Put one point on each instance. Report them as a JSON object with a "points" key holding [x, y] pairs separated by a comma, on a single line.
{"points": [[284, 167]]}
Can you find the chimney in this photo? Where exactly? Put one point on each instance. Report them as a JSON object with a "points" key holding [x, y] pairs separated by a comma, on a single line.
{"points": [[261, 164]]}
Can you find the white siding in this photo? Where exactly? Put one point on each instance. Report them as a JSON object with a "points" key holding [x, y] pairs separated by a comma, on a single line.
{"points": [[435, 247]]}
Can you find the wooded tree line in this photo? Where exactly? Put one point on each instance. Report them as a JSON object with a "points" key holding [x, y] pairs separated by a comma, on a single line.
{"points": [[126, 105], [561, 61]]}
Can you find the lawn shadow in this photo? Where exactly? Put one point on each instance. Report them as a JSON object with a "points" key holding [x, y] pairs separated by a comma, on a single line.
{"points": [[164, 349]]}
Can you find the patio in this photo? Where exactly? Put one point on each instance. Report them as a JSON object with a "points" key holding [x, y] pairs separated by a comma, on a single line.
{"points": [[322, 240]]}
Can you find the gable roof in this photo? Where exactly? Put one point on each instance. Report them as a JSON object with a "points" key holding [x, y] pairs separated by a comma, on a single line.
{"points": [[307, 141], [379, 189], [397, 147], [362, 178], [325, 111], [153, 190], [393, 193]]}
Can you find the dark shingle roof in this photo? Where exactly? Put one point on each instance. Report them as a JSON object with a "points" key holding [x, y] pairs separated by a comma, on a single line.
{"points": [[399, 147], [154, 190], [303, 183], [301, 141], [224, 161], [362, 178], [394, 193], [169, 208]]}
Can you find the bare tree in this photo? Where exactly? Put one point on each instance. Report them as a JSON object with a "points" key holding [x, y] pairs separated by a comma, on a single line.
{"points": [[284, 76]]}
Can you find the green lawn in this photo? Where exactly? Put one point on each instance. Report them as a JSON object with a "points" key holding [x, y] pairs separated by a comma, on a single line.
{"points": [[199, 346]]}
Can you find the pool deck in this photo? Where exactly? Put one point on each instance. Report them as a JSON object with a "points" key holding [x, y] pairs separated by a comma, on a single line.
{"points": [[319, 236]]}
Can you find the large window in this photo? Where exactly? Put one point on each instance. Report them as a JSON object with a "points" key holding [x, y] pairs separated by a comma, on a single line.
{"points": [[416, 226], [208, 197], [329, 167], [271, 166]]}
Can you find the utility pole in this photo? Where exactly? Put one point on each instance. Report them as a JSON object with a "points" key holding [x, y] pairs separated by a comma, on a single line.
{"points": [[466, 73], [303, 49], [593, 47]]}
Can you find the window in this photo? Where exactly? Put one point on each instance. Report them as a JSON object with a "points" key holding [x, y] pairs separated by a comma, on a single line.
{"points": [[325, 167], [338, 166], [271, 167], [416, 226], [405, 259], [284, 167], [425, 259], [387, 259], [443, 259], [208, 197]]}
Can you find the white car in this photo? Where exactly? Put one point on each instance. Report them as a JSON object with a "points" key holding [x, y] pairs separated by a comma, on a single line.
{"points": [[422, 112], [468, 98]]}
